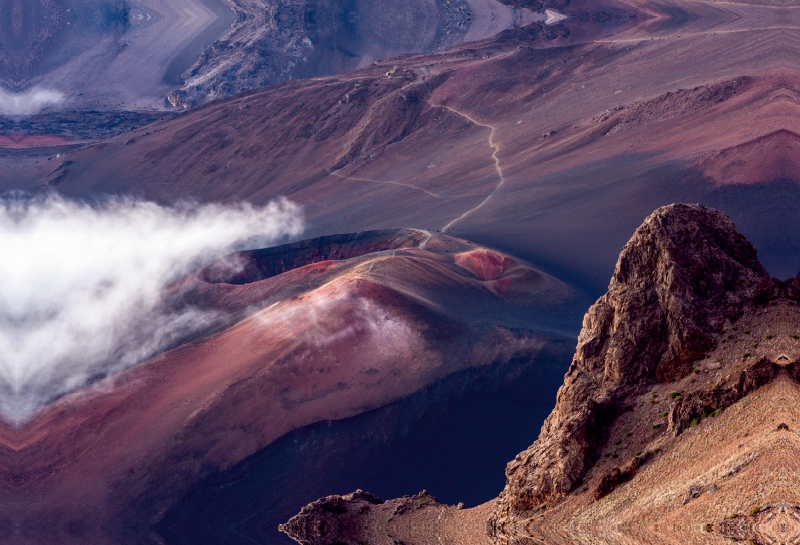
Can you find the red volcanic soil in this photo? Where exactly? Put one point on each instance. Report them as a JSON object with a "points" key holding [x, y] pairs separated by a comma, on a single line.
{"points": [[321, 330], [485, 264]]}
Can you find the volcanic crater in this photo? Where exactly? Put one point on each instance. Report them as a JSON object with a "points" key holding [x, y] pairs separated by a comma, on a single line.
{"points": [[317, 330]]}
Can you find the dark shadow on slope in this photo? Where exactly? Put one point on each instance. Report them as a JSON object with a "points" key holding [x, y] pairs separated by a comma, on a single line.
{"points": [[453, 439]]}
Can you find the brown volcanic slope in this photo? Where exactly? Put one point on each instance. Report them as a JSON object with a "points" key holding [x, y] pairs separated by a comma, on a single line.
{"points": [[316, 330], [676, 421], [505, 141]]}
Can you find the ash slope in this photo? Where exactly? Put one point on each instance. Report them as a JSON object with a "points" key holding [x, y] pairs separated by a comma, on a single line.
{"points": [[312, 331], [692, 339], [505, 142]]}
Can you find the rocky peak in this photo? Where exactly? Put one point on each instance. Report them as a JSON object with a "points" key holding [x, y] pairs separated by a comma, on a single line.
{"points": [[684, 274]]}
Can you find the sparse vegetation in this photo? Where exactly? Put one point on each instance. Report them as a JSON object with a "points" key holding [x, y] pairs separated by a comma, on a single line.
{"points": [[755, 510], [674, 395], [663, 413], [768, 337], [746, 355]]}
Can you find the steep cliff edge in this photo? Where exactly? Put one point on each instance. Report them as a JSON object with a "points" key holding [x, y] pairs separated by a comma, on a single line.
{"points": [[684, 273]]}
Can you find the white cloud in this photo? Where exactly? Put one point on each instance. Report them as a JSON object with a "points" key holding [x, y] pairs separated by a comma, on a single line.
{"points": [[28, 102], [80, 285]]}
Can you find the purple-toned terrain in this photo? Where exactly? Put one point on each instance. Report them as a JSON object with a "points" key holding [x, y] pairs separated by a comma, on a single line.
{"points": [[259, 254]]}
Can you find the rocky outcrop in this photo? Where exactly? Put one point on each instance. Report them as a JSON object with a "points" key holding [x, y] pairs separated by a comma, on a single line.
{"points": [[684, 274], [333, 519], [349, 519], [702, 403], [618, 475]]}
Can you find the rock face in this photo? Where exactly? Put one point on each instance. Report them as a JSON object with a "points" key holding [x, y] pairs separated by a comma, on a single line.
{"points": [[334, 519], [353, 518], [684, 274]]}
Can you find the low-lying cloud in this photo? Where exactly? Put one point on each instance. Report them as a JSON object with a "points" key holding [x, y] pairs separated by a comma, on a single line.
{"points": [[81, 286], [28, 102]]}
